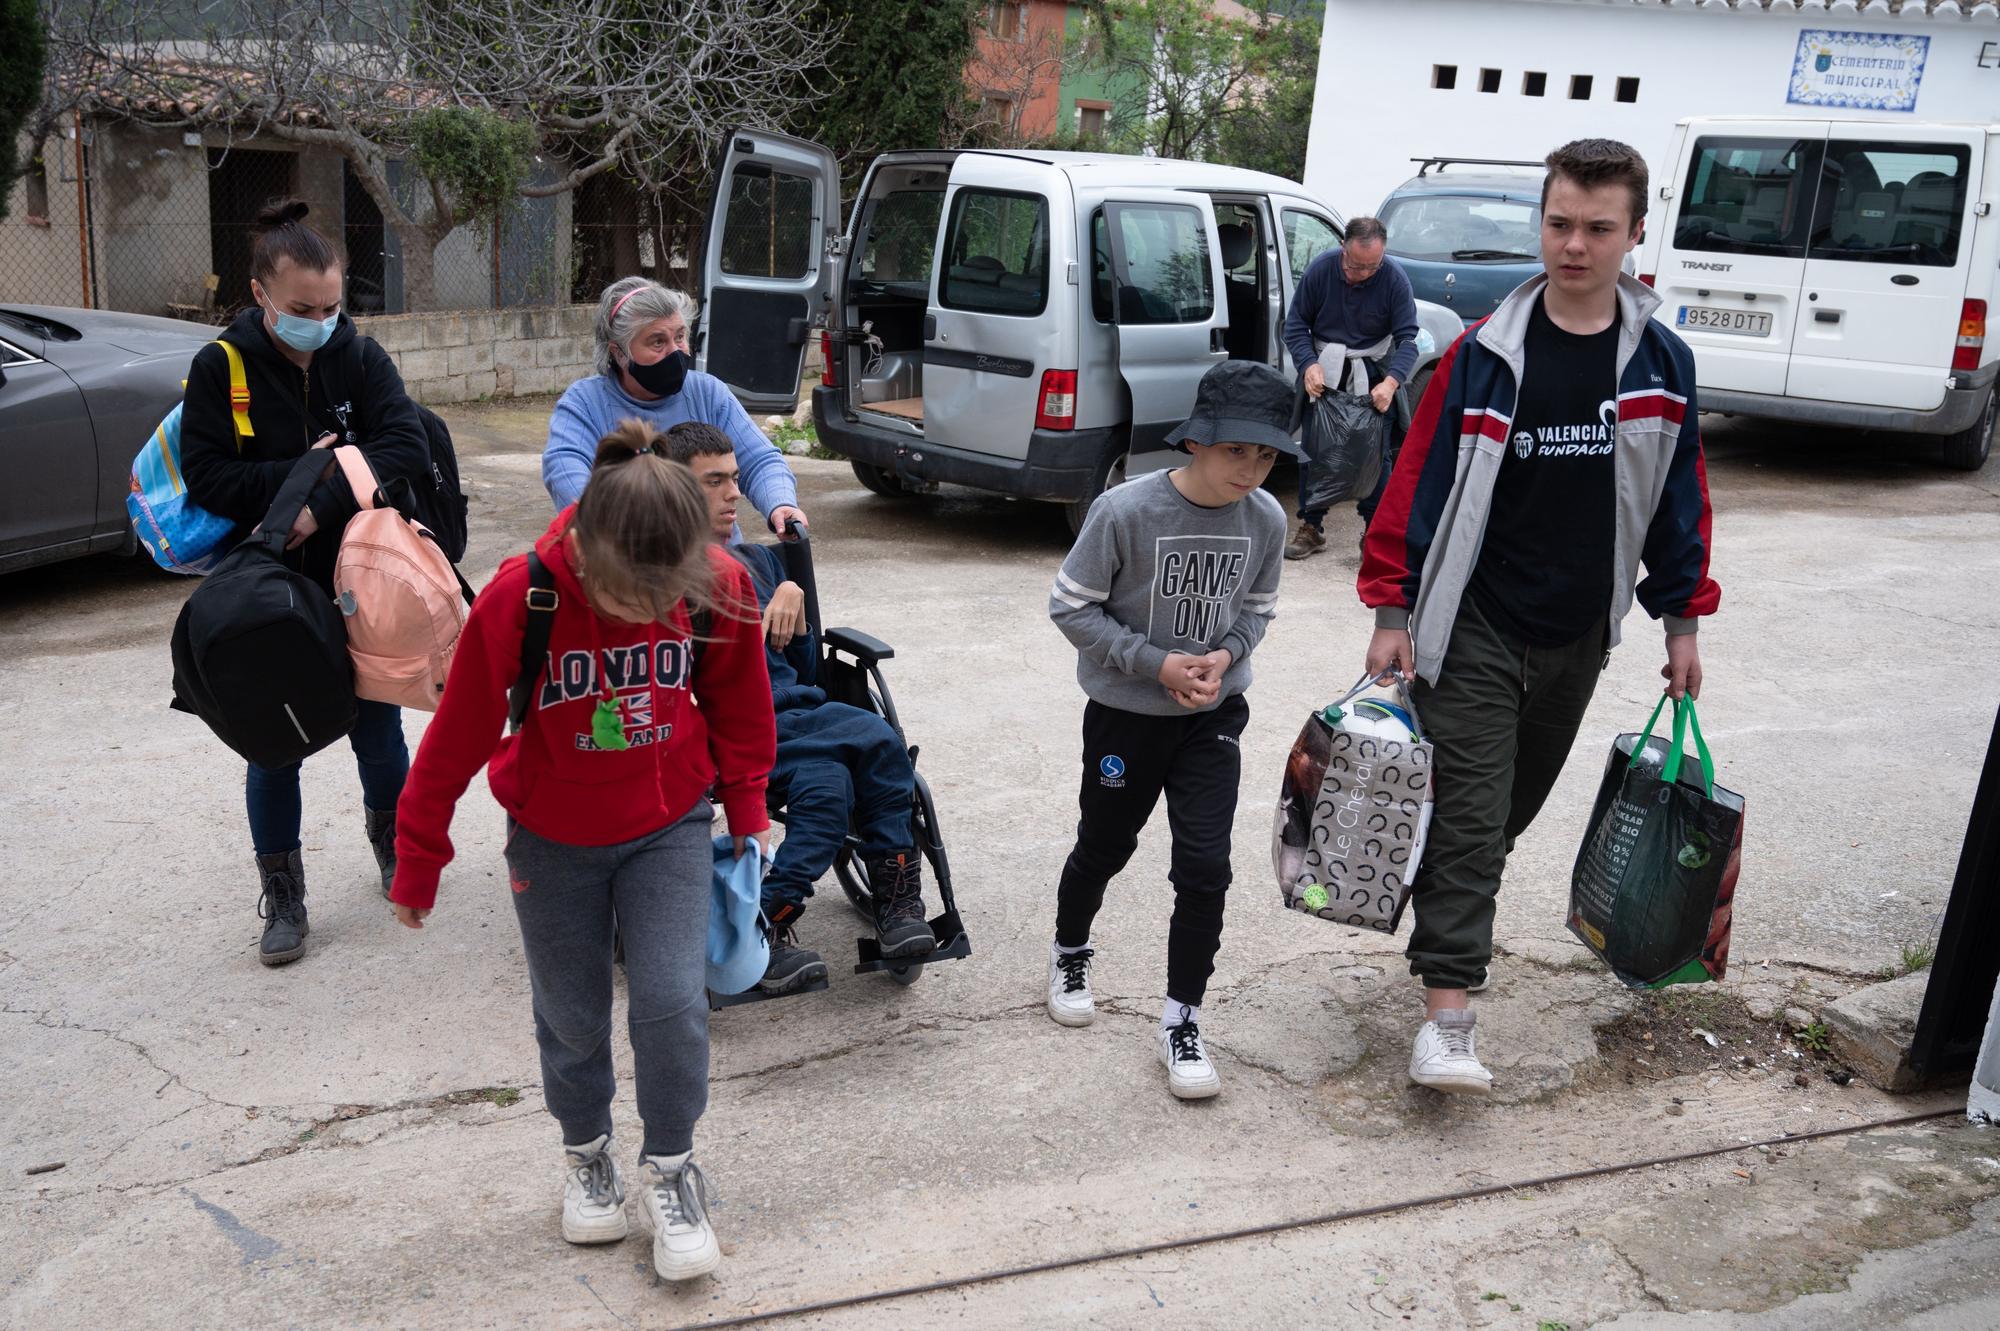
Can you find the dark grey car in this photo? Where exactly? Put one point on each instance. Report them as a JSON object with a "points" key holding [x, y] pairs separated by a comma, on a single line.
{"points": [[80, 392]]}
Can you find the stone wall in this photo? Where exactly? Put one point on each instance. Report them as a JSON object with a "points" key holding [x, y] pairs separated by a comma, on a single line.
{"points": [[461, 357]]}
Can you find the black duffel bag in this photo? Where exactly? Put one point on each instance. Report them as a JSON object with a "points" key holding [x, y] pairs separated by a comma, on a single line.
{"points": [[260, 651]]}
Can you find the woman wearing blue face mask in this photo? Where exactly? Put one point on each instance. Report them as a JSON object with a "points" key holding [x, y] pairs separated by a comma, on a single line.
{"points": [[313, 382], [645, 370]]}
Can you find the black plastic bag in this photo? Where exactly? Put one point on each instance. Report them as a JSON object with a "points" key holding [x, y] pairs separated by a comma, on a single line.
{"points": [[1654, 888], [1343, 443]]}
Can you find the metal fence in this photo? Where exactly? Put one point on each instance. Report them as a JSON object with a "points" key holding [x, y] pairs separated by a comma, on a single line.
{"points": [[124, 216]]}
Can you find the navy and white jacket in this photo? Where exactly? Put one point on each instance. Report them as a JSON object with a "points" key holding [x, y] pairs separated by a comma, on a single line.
{"points": [[1425, 538]]}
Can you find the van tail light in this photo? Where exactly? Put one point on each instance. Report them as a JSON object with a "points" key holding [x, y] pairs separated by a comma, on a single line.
{"points": [[1057, 408], [829, 374], [1647, 278], [1971, 336]]}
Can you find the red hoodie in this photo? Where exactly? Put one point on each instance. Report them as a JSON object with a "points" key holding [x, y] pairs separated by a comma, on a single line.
{"points": [[551, 777]]}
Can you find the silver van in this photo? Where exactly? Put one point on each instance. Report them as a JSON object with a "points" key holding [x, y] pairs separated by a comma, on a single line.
{"points": [[1028, 323]]}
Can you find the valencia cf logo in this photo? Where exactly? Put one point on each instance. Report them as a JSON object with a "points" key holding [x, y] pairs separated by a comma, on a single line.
{"points": [[1524, 444]]}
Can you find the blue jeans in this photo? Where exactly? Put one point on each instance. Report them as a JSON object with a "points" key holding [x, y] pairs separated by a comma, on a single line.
{"points": [[272, 793], [836, 764]]}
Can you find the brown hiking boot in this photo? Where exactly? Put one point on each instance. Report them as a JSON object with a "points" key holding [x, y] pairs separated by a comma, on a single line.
{"points": [[1306, 542]]}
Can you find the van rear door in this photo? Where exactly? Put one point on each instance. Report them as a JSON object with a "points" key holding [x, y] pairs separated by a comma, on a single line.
{"points": [[1732, 267], [1886, 265], [1167, 308], [767, 267]]}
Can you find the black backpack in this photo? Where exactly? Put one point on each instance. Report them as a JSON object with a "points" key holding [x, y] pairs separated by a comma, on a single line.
{"points": [[260, 651], [440, 506]]}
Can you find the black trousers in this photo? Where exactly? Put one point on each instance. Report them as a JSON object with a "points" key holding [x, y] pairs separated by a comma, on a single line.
{"points": [[1128, 760]]}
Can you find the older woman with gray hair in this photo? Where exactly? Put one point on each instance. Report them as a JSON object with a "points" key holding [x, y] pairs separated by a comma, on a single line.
{"points": [[645, 372]]}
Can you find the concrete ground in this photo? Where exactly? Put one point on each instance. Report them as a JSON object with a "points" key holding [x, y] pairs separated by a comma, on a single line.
{"points": [[357, 1139]]}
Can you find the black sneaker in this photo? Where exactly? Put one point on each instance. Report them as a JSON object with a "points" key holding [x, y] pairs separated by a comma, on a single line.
{"points": [[382, 839], [792, 967], [282, 908], [897, 883]]}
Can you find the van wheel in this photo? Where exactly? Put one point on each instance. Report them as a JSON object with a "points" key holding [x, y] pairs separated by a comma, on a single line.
{"points": [[1419, 382], [1969, 448], [878, 480], [1110, 474]]}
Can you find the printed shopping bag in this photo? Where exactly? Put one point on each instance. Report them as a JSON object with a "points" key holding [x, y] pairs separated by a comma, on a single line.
{"points": [[1654, 885], [1353, 810]]}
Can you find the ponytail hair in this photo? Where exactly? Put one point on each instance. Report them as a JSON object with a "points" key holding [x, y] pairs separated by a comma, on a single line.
{"points": [[641, 527], [282, 234]]}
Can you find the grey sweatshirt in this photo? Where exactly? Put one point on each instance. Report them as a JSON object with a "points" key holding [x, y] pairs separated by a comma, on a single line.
{"points": [[1152, 574]]}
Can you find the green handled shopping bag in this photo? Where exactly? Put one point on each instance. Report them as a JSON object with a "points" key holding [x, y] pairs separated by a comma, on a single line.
{"points": [[1654, 885]]}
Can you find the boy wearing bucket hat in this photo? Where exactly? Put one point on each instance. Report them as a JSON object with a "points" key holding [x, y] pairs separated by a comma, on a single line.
{"points": [[1166, 593]]}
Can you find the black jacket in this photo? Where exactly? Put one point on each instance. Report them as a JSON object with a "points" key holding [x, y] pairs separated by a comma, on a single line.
{"points": [[351, 388]]}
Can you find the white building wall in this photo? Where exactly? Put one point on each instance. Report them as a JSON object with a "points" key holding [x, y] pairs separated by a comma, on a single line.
{"points": [[1375, 108]]}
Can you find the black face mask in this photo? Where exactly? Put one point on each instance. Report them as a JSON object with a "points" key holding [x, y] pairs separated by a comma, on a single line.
{"points": [[664, 376]]}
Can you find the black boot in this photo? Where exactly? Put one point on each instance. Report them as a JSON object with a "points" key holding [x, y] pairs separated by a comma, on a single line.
{"points": [[282, 908], [792, 967], [382, 838], [896, 881]]}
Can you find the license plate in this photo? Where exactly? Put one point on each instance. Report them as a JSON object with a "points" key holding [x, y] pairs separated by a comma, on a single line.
{"points": [[1743, 323]]}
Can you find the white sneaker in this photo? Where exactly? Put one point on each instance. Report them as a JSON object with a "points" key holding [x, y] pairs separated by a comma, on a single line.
{"points": [[676, 1201], [1190, 1076], [1069, 988], [593, 1194], [1445, 1058]]}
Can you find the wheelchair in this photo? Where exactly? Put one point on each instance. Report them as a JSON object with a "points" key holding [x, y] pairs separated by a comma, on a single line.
{"points": [[849, 669]]}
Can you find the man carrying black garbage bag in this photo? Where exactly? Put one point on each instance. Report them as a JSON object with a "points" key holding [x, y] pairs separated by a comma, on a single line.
{"points": [[1556, 451], [1358, 300]]}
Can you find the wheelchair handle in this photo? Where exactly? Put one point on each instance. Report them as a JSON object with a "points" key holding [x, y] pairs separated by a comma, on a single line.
{"points": [[796, 550]]}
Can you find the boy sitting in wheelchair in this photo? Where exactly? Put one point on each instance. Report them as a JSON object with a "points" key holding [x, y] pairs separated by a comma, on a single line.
{"points": [[838, 766]]}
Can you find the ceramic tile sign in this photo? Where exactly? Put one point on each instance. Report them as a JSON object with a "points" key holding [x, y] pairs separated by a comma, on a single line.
{"points": [[1867, 71]]}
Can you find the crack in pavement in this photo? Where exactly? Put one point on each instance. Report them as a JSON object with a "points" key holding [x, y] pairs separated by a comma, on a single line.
{"points": [[172, 1078]]}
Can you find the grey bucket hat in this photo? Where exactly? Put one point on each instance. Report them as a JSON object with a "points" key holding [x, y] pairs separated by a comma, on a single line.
{"points": [[1242, 402]]}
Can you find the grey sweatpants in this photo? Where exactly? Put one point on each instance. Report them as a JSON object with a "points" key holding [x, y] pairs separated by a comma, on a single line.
{"points": [[656, 890]]}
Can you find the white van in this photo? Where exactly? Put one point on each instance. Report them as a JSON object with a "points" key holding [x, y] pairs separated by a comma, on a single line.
{"points": [[1835, 272], [1030, 323]]}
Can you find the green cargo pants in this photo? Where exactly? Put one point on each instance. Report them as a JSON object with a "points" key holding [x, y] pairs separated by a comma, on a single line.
{"points": [[1500, 720]]}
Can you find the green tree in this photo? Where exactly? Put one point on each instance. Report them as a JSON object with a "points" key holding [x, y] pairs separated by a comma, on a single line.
{"points": [[1267, 132], [895, 78], [22, 53]]}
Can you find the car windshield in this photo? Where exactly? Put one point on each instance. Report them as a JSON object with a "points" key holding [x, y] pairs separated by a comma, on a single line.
{"points": [[1463, 228]]}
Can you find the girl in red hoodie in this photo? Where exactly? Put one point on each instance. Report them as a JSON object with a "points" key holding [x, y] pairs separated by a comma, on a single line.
{"points": [[627, 726]]}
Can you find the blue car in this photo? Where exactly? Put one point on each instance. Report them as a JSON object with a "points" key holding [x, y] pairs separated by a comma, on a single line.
{"points": [[1467, 233]]}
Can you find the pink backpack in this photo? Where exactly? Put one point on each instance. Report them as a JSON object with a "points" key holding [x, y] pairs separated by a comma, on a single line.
{"points": [[403, 602]]}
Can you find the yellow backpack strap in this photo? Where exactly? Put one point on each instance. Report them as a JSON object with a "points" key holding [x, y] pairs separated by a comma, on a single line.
{"points": [[239, 393]]}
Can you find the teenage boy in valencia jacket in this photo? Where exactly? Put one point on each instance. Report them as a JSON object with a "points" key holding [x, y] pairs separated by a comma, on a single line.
{"points": [[1555, 452]]}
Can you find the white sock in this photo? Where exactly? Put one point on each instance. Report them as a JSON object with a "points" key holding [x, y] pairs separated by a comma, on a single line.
{"points": [[1071, 951], [1173, 1014]]}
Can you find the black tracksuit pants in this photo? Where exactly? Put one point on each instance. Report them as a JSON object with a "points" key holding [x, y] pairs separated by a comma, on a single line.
{"points": [[1128, 760]]}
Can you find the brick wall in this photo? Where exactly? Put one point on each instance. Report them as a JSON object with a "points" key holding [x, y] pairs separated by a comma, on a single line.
{"points": [[503, 353]]}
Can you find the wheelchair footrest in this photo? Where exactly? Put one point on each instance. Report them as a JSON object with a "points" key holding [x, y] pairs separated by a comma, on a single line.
{"points": [[716, 1002], [952, 945]]}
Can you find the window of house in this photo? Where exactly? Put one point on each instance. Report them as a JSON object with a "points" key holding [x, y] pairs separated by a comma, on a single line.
{"points": [[1159, 263], [1534, 83], [1007, 20], [768, 231], [1444, 77], [1091, 118], [997, 253], [1579, 87], [996, 109], [1489, 80], [36, 179], [1628, 89], [1307, 236]]}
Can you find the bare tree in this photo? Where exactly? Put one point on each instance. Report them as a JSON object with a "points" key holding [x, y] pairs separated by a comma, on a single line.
{"points": [[1008, 71], [546, 93]]}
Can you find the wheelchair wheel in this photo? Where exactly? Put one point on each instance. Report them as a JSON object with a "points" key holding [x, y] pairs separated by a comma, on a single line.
{"points": [[906, 975], [853, 876]]}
